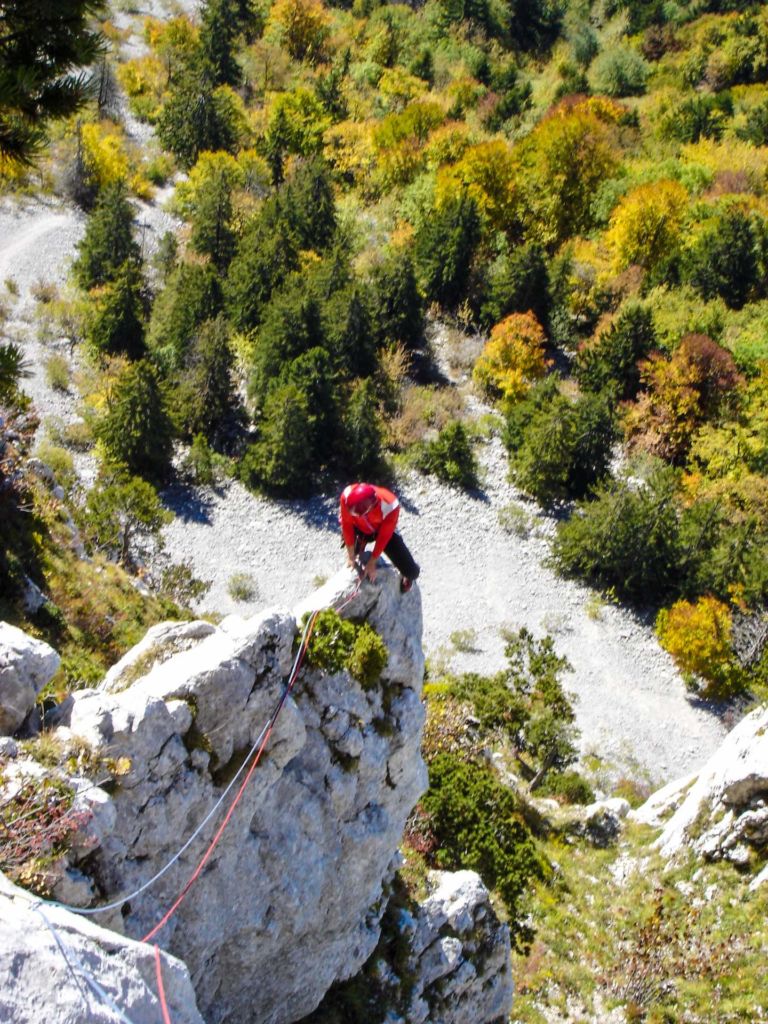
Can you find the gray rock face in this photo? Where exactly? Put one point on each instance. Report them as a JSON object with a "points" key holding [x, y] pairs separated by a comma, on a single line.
{"points": [[722, 813], [45, 989], [459, 959], [291, 898], [26, 665]]}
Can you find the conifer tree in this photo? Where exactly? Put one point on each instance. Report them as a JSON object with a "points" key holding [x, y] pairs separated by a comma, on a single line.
{"points": [[310, 207], [108, 241], [361, 437], [395, 304], [195, 118], [212, 232], [205, 396], [445, 245], [191, 296], [313, 374], [292, 325], [281, 460], [44, 45], [135, 430], [349, 336], [219, 27], [115, 324], [264, 258]]}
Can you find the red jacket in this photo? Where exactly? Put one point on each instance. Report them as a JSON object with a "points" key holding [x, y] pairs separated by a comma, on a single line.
{"points": [[380, 521]]}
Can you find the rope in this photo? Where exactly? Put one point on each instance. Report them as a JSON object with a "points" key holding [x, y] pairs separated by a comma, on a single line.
{"points": [[87, 977], [117, 903], [161, 987]]}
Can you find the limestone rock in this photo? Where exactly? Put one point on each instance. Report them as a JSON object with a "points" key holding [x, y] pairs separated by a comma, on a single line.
{"points": [[26, 665], [292, 896], [458, 958], [45, 989], [723, 814]]}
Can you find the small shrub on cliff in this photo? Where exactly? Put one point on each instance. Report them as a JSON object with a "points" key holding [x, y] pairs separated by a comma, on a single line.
{"points": [[337, 644]]}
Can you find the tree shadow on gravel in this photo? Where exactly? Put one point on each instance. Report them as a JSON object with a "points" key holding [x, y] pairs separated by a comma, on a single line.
{"points": [[190, 504]]}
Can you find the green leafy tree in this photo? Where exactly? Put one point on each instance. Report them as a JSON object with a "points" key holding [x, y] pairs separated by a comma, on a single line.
{"points": [[44, 46], [205, 395], [612, 361], [108, 241], [135, 430], [115, 322], [121, 514], [281, 461], [191, 296], [619, 71], [445, 245]]}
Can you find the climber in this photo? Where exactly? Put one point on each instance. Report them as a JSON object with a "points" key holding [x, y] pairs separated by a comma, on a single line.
{"points": [[368, 513]]}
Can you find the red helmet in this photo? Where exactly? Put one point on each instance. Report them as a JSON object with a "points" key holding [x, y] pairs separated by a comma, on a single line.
{"points": [[360, 497]]}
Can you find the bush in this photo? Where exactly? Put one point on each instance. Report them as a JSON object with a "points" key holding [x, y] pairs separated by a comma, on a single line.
{"points": [[569, 787], [120, 513], [619, 71], [698, 636], [337, 644], [57, 372], [560, 448], [450, 457], [478, 825], [242, 587]]}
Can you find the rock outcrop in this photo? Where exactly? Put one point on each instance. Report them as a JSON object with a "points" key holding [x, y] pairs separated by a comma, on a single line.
{"points": [[51, 962], [293, 896], [26, 665], [457, 962], [722, 812]]}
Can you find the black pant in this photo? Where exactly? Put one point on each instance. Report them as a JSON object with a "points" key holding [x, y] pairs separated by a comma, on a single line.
{"points": [[396, 551]]}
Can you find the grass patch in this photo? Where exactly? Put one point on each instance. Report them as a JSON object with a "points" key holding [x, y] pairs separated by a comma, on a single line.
{"points": [[241, 586]]}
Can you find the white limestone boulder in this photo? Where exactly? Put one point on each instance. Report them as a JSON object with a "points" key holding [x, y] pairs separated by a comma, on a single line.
{"points": [[39, 985], [26, 665], [723, 812]]}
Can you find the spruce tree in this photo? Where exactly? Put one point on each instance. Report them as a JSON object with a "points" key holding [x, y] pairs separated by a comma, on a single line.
{"points": [[312, 372], [310, 207], [361, 436], [395, 305], [264, 258], [211, 221], [115, 325], [136, 430], [219, 27], [292, 326], [108, 241], [445, 246], [191, 296], [281, 460], [195, 118], [349, 336], [205, 395]]}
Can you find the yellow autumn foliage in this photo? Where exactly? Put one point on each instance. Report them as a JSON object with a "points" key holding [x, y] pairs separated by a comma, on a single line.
{"points": [[698, 636], [488, 173], [645, 226], [107, 160], [513, 358]]}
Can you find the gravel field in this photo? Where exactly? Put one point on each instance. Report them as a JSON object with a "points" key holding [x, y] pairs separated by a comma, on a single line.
{"points": [[477, 578]]}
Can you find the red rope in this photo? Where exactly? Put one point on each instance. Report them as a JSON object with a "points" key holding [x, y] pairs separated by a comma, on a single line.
{"points": [[160, 987], [219, 832]]}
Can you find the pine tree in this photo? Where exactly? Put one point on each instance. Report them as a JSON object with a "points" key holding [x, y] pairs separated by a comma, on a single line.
{"points": [[44, 45], [349, 336], [115, 324], [195, 118], [108, 241], [263, 260], [136, 430], [313, 374], [281, 460], [205, 396], [191, 296], [361, 440], [219, 27], [292, 326], [310, 207], [212, 232]]}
